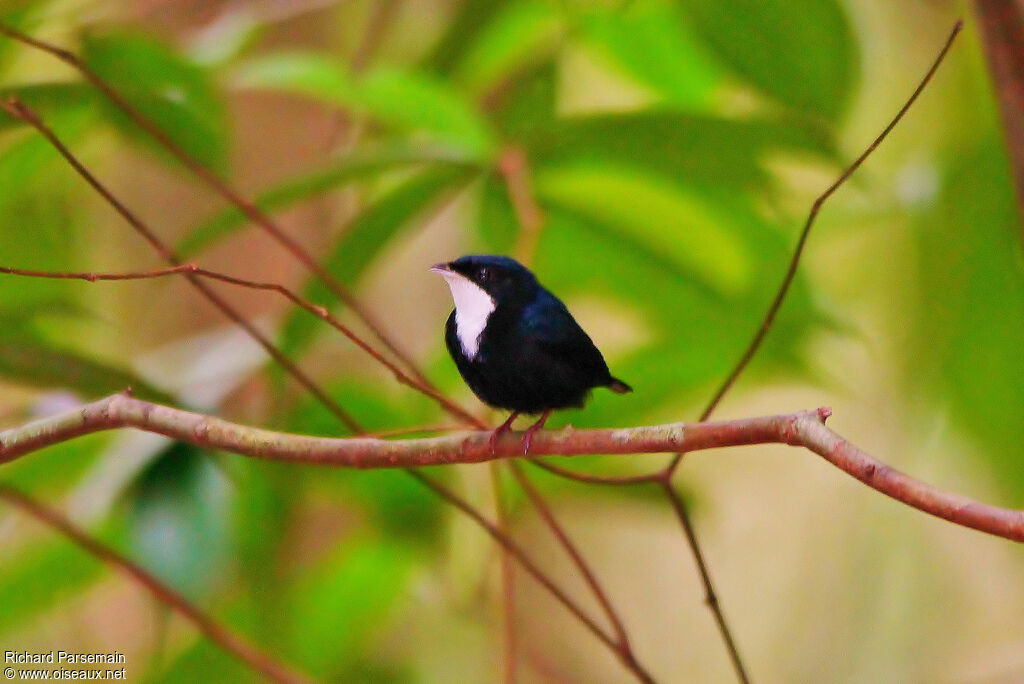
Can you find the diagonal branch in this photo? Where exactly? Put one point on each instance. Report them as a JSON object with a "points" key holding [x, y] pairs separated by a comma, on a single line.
{"points": [[533, 570], [710, 595], [194, 271], [221, 187], [804, 429], [18, 110], [794, 262], [216, 632], [577, 558]]}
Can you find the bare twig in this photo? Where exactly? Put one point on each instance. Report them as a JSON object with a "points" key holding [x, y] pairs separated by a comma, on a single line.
{"points": [[221, 187], [588, 575], [755, 344], [710, 596], [17, 109], [532, 569], [508, 582], [216, 632], [193, 271], [794, 262]]}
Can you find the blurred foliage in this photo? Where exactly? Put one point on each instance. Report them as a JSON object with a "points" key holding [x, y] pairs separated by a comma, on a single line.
{"points": [[662, 201]]}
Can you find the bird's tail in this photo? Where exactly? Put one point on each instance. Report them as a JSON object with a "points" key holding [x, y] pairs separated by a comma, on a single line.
{"points": [[619, 387]]}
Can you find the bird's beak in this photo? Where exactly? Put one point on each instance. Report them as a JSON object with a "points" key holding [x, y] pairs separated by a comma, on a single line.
{"points": [[441, 269]]}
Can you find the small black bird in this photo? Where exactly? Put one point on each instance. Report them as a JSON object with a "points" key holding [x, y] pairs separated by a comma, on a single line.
{"points": [[515, 343]]}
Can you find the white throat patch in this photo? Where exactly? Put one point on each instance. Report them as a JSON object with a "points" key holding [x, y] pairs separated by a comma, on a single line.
{"points": [[473, 306]]}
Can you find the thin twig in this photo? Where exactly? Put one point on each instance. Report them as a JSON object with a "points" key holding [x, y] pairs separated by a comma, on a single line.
{"points": [[532, 569], [222, 188], [513, 165], [216, 632], [794, 262], [678, 504], [574, 554], [191, 270], [19, 110], [508, 584], [619, 480], [710, 596]]}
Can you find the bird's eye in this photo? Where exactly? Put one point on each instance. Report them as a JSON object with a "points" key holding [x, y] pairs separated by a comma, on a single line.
{"points": [[484, 275]]}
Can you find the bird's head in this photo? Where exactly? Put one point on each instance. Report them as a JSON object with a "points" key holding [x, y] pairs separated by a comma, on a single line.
{"points": [[500, 279]]}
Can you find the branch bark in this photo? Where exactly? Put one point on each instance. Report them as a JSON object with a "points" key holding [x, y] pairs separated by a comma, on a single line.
{"points": [[804, 429]]}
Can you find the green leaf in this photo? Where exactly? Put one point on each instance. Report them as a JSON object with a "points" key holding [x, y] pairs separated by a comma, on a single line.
{"points": [[178, 518], [22, 163], [346, 601], [666, 217], [18, 14], [381, 223], [691, 148], [37, 363], [519, 34], [49, 100], [173, 93], [204, 661], [969, 333], [45, 577], [470, 19], [58, 466], [801, 52], [410, 101], [649, 42], [528, 103], [36, 229], [358, 165], [497, 223]]}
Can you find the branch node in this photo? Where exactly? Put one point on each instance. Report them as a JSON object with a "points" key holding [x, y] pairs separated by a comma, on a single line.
{"points": [[824, 413]]}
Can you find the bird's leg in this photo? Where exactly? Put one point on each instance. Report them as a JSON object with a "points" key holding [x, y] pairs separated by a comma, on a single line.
{"points": [[500, 430], [528, 438]]}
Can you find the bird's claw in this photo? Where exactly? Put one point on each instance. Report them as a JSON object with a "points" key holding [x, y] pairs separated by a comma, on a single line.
{"points": [[499, 431], [528, 437]]}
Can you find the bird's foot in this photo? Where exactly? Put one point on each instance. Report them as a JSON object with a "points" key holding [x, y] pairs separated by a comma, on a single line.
{"points": [[528, 437], [499, 431]]}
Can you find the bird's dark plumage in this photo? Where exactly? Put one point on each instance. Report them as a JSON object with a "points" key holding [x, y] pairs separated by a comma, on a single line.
{"points": [[530, 355]]}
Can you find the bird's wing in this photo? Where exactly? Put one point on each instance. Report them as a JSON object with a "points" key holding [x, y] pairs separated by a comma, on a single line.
{"points": [[550, 330]]}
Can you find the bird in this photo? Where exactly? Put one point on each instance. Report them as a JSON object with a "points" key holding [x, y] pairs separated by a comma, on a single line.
{"points": [[515, 343]]}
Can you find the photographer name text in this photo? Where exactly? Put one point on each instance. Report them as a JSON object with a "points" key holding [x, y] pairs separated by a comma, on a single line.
{"points": [[62, 658]]}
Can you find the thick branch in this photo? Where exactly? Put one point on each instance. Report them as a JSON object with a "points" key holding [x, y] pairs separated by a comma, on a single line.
{"points": [[805, 428]]}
